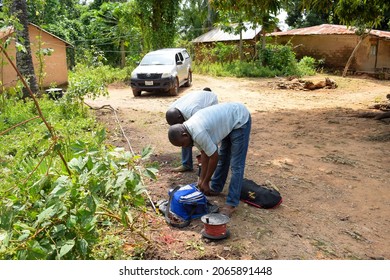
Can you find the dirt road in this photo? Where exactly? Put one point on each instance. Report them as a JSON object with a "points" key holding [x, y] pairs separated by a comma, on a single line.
{"points": [[332, 169]]}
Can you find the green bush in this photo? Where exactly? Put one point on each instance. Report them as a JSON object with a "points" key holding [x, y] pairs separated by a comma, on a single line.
{"points": [[272, 61], [91, 81], [307, 66], [47, 212], [224, 53], [280, 58]]}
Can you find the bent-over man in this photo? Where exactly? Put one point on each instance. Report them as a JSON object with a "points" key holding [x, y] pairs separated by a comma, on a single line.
{"points": [[181, 110], [229, 125]]}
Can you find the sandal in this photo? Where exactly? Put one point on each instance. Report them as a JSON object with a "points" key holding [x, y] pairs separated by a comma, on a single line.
{"points": [[227, 210], [182, 168], [211, 193]]}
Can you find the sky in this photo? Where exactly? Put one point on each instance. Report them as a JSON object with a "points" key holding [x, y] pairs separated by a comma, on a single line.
{"points": [[282, 17]]}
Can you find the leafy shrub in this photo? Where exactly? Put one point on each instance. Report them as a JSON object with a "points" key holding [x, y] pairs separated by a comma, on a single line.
{"points": [[272, 61], [87, 81], [224, 52], [307, 66], [47, 213], [280, 58]]}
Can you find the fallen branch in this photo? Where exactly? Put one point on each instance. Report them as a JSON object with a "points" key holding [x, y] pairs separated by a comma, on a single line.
{"points": [[107, 106], [117, 120], [19, 124], [373, 115], [299, 84]]}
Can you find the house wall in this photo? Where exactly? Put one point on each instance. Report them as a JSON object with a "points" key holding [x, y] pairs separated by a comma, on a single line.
{"points": [[55, 66], [335, 50], [383, 59]]}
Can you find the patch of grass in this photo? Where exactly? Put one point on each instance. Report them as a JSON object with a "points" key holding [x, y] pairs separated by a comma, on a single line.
{"points": [[324, 247], [379, 138], [338, 160]]}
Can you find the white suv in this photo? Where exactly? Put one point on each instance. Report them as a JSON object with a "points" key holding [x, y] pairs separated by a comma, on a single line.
{"points": [[162, 70]]}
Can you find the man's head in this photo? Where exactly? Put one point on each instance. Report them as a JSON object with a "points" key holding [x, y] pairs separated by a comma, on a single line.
{"points": [[179, 136], [207, 89], [174, 116]]}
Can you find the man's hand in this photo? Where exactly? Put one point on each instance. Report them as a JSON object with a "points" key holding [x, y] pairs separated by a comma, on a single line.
{"points": [[204, 187]]}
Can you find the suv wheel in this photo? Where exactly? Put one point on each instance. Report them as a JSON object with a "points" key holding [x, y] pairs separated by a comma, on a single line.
{"points": [[189, 80], [136, 93], [175, 89]]}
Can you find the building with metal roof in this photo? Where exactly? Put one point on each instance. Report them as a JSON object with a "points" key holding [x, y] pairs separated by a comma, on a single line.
{"points": [[334, 44], [55, 64], [219, 35], [248, 37]]}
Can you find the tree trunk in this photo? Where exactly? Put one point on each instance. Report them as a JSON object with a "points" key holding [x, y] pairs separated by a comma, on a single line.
{"points": [[123, 54], [24, 60], [240, 49], [263, 32]]}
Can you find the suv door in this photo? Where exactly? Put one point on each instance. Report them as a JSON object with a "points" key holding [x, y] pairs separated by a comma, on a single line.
{"points": [[181, 67]]}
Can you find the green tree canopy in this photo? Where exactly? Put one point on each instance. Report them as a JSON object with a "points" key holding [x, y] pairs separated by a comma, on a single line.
{"points": [[157, 21]]}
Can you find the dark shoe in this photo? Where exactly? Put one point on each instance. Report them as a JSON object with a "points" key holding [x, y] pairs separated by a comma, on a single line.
{"points": [[227, 210], [212, 193], [182, 168]]}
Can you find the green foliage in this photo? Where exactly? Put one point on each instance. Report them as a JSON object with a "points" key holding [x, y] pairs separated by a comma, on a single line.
{"points": [[240, 11], [115, 25], [90, 81], [273, 61], [370, 13], [47, 11], [236, 69], [45, 213], [307, 66], [196, 17], [224, 52], [87, 85], [280, 58], [157, 21], [298, 17]]}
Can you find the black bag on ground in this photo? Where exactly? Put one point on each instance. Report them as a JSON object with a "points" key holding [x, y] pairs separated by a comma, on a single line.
{"points": [[259, 196]]}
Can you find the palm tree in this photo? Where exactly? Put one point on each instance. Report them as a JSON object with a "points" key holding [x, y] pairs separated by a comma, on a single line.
{"points": [[24, 60]]}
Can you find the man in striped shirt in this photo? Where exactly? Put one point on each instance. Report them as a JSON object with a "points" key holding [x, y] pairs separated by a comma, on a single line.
{"points": [[229, 125], [181, 110]]}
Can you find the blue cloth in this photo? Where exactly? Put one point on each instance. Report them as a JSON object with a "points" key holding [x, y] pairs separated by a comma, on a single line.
{"points": [[188, 202], [232, 152], [186, 157]]}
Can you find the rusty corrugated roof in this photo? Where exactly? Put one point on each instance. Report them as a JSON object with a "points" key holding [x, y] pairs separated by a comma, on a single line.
{"points": [[328, 29], [6, 31], [218, 35]]}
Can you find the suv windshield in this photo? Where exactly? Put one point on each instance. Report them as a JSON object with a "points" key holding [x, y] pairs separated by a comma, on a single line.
{"points": [[157, 59]]}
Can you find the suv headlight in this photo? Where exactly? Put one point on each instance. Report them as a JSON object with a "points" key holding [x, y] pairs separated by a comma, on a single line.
{"points": [[166, 75], [133, 75]]}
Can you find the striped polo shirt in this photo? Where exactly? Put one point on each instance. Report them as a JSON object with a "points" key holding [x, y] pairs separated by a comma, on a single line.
{"points": [[192, 102], [210, 125]]}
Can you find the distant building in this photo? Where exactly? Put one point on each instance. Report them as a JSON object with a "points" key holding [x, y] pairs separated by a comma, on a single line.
{"points": [[335, 43], [55, 64], [250, 37]]}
